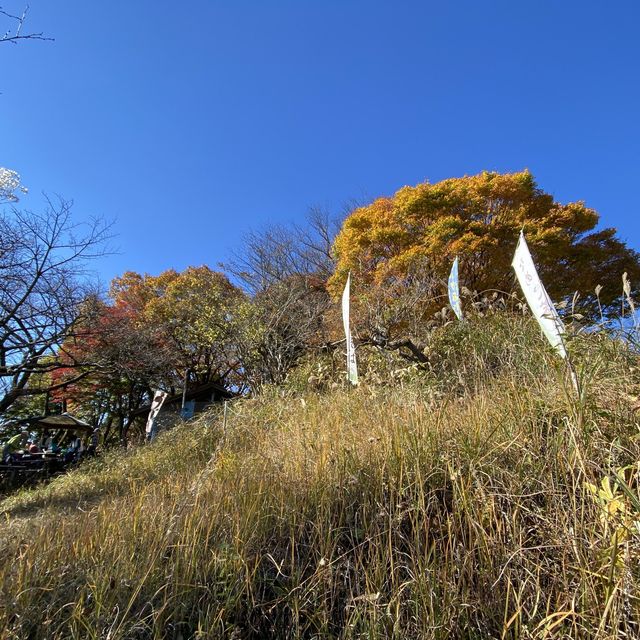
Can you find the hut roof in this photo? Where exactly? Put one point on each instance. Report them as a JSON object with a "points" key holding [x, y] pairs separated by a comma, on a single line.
{"points": [[62, 421]]}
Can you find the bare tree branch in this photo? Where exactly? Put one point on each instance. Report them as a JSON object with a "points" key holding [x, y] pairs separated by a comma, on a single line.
{"points": [[14, 33], [279, 252], [43, 291]]}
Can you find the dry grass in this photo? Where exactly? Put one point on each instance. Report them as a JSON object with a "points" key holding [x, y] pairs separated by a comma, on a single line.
{"points": [[468, 503]]}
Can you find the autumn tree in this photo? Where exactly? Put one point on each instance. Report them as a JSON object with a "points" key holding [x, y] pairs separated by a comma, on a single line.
{"points": [[191, 316], [124, 360], [155, 332], [400, 250], [478, 218], [195, 311]]}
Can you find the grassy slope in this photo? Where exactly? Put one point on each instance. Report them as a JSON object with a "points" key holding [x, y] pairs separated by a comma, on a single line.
{"points": [[449, 505]]}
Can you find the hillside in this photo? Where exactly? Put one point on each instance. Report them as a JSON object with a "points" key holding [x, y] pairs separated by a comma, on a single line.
{"points": [[477, 498]]}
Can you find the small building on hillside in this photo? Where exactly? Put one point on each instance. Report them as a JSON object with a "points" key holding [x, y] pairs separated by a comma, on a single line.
{"points": [[196, 400]]}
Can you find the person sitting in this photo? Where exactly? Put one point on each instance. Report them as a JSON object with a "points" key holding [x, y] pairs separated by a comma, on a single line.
{"points": [[51, 445], [72, 449], [13, 445], [54, 447], [34, 448]]}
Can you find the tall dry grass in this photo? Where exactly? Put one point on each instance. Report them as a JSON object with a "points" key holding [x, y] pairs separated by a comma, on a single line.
{"points": [[481, 499]]}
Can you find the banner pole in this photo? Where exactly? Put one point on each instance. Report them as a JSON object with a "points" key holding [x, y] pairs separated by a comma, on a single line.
{"points": [[224, 419], [184, 390], [574, 376]]}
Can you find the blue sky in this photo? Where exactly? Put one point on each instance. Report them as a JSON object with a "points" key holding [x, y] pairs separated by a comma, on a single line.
{"points": [[191, 123]]}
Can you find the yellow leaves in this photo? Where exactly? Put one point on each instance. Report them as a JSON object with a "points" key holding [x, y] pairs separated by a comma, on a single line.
{"points": [[134, 291], [608, 497], [478, 218], [195, 304], [619, 508], [618, 503], [193, 309]]}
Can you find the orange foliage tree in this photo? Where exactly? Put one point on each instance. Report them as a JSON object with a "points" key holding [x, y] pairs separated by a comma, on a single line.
{"points": [[192, 314], [153, 332], [421, 229], [121, 362]]}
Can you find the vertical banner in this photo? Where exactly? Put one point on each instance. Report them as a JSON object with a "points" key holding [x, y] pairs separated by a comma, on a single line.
{"points": [[352, 369], [454, 290], [537, 297], [156, 405]]}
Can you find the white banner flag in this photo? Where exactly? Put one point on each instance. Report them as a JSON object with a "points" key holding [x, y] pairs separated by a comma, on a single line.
{"points": [[454, 290], [537, 297], [156, 405], [352, 368]]}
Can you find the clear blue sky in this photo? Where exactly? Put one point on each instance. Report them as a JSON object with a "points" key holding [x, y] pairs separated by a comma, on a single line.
{"points": [[190, 123]]}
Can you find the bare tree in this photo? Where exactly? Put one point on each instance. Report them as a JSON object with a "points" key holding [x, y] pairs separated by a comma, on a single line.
{"points": [[279, 252], [282, 324], [43, 291], [284, 268], [15, 29]]}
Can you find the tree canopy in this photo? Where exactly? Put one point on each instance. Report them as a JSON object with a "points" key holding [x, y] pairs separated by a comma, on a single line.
{"points": [[191, 312], [421, 229], [154, 332]]}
